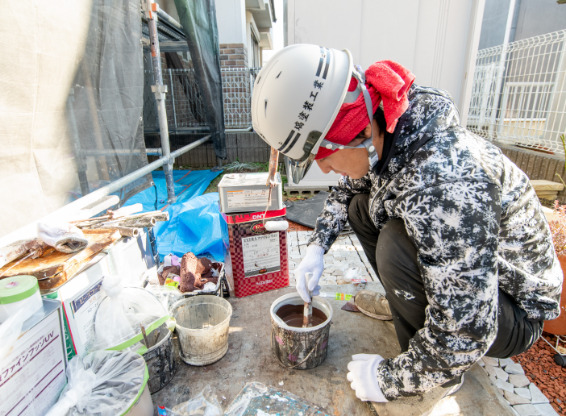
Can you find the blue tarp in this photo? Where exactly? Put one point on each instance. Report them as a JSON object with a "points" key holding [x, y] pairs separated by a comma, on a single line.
{"points": [[195, 223]]}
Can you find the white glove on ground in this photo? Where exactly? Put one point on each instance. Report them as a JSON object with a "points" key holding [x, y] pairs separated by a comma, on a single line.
{"points": [[313, 265], [64, 237], [362, 375]]}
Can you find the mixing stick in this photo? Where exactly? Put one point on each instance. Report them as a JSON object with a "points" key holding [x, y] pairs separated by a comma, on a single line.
{"points": [[307, 312]]}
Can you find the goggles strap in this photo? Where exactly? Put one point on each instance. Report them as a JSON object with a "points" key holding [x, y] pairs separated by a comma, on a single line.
{"points": [[368, 144]]}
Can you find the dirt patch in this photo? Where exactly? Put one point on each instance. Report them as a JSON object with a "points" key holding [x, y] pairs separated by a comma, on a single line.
{"points": [[539, 366]]}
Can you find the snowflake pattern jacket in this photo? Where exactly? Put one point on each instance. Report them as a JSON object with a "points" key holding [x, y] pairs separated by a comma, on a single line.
{"points": [[477, 225]]}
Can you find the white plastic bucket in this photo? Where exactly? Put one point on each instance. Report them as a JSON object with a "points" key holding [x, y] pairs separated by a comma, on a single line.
{"points": [[202, 324], [19, 293], [142, 405]]}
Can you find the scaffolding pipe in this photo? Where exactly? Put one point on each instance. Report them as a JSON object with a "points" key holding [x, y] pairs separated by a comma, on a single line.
{"points": [[72, 210], [159, 91], [171, 21]]}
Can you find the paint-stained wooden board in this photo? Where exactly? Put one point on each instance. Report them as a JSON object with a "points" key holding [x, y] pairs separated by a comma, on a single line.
{"points": [[54, 268]]}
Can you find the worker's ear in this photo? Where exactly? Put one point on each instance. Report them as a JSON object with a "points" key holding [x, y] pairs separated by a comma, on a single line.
{"points": [[366, 132]]}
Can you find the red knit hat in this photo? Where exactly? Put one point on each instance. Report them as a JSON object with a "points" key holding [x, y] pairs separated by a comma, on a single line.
{"points": [[386, 81]]}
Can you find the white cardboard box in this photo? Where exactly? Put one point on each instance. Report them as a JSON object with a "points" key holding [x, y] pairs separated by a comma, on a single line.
{"points": [[80, 297], [33, 375]]}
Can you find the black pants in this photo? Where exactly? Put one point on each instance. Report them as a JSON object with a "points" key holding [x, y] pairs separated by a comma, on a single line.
{"points": [[394, 259]]}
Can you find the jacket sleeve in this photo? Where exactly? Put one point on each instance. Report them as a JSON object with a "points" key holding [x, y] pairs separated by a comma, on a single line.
{"points": [[335, 211], [454, 227]]}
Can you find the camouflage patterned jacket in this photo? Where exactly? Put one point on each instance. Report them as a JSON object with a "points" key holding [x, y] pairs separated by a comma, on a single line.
{"points": [[477, 225]]}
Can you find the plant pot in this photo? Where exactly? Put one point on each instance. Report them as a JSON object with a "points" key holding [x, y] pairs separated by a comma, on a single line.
{"points": [[558, 326]]}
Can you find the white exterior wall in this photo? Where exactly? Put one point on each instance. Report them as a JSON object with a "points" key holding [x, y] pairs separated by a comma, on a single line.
{"points": [[231, 21], [249, 23], [435, 39]]}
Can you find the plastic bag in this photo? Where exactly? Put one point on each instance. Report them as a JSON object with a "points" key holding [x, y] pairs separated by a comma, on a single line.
{"points": [[102, 383], [121, 315], [167, 295], [203, 404]]}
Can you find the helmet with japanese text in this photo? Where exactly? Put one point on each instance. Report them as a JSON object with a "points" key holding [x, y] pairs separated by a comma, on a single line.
{"points": [[296, 97]]}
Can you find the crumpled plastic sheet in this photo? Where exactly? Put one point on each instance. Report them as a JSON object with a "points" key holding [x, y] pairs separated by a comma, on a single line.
{"points": [[203, 404], [196, 225]]}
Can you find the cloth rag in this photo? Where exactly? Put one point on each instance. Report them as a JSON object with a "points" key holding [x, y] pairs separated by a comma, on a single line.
{"points": [[387, 82]]}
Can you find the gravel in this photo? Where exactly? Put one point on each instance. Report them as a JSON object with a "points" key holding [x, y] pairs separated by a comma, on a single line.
{"points": [[540, 368]]}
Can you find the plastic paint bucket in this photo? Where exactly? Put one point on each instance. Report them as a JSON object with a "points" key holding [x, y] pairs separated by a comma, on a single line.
{"points": [[202, 324], [295, 346], [142, 405], [160, 359], [19, 293]]}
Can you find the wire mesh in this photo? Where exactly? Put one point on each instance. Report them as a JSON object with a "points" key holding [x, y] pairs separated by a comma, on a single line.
{"points": [[519, 93], [184, 104], [237, 85]]}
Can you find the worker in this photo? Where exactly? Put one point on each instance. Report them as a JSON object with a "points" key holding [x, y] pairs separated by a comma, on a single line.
{"points": [[452, 228]]}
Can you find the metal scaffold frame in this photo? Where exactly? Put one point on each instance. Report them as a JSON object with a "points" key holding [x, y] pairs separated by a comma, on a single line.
{"points": [[101, 199]]}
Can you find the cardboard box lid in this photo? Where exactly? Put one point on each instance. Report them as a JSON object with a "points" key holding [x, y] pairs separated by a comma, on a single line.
{"points": [[247, 179]]}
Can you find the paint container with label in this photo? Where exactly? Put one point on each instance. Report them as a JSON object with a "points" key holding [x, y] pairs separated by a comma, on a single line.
{"points": [[259, 257], [32, 372], [19, 293], [293, 345], [248, 192]]}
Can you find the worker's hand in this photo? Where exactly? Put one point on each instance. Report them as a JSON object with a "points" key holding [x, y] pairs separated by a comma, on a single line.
{"points": [[362, 375], [309, 271]]}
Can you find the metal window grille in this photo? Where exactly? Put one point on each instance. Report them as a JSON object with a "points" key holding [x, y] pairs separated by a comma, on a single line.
{"points": [[519, 93], [237, 85], [185, 109]]}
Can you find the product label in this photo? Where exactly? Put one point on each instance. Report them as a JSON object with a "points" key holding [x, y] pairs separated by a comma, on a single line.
{"points": [[33, 375], [247, 198], [83, 308], [261, 254]]}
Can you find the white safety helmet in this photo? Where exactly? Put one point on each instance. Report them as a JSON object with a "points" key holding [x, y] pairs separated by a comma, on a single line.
{"points": [[296, 98]]}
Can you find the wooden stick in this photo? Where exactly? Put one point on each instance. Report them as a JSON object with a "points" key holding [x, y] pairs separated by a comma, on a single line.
{"points": [[144, 336], [307, 315], [273, 162]]}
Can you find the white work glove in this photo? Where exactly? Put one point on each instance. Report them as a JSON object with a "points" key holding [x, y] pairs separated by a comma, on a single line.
{"points": [[309, 271], [362, 375]]}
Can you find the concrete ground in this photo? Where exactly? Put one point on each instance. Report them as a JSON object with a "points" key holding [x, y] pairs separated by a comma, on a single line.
{"points": [[250, 358]]}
